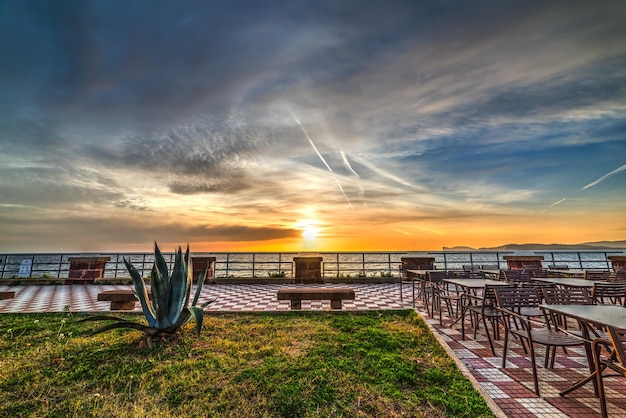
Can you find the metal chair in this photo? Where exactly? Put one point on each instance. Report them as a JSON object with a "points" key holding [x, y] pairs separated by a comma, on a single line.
{"points": [[614, 293], [570, 296], [510, 303], [483, 308], [616, 361], [618, 276], [439, 292]]}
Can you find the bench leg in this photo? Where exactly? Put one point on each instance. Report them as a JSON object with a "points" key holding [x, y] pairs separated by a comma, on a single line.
{"points": [[296, 304], [122, 306], [335, 304]]}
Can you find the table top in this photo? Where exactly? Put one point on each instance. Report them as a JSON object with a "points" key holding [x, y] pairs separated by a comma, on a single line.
{"points": [[422, 273], [569, 271], [607, 315], [474, 283], [566, 281]]}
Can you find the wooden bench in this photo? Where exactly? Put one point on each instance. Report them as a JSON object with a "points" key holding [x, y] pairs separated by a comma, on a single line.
{"points": [[297, 295], [121, 300], [7, 295]]}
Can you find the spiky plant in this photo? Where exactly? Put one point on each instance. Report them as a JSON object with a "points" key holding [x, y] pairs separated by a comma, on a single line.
{"points": [[169, 308]]}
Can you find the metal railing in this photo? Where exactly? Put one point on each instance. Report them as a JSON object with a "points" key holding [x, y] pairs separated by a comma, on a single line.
{"points": [[334, 264]]}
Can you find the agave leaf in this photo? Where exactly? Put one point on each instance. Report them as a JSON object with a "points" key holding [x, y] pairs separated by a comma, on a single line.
{"points": [[205, 304], [160, 262], [178, 284], [201, 280], [188, 275], [142, 294], [101, 318], [184, 317], [125, 324], [198, 315], [159, 298]]}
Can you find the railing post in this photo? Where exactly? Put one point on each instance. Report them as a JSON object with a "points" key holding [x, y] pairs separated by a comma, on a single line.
{"points": [[363, 263], [253, 260], [60, 265], [227, 264]]}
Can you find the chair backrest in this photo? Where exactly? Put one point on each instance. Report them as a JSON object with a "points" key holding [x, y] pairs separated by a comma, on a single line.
{"points": [[437, 276], [516, 276], [567, 296], [489, 293], [539, 286], [597, 275], [535, 272], [514, 298], [618, 276], [609, 293]]}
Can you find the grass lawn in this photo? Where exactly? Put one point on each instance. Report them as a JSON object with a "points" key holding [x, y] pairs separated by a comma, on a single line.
{"points": [[294, 364]]}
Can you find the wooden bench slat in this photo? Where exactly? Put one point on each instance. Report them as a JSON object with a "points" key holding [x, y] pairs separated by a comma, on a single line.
{"points": [[122, 299], [297, 295], [7, 295]]}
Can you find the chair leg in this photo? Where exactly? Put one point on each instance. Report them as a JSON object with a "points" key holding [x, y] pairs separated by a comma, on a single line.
{"points": [[493, 350], [475, 323], [506, 345], [600, 384], [533, 362]]}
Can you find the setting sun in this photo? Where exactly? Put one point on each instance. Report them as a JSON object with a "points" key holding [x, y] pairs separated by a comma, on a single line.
{"points": [[310, 231]]}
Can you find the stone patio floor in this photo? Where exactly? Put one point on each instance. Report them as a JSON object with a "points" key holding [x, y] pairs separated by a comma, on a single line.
{"points": [[508, 390]]}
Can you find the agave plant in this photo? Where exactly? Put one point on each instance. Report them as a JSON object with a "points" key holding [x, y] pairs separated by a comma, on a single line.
{"points": [[169, 308]]}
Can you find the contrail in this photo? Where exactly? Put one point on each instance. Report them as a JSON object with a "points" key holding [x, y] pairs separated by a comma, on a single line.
{"points": [[321, 158], [390, 176], [606, 176], [347, 164], [554, 204], [358, 178]]}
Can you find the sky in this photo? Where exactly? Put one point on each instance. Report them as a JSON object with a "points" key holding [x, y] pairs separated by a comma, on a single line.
{"points": [[324, 125]]}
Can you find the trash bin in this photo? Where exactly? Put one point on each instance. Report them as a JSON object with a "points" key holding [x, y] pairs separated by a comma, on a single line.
{"points": [[199, 264], [308, 269], [86, 269]]}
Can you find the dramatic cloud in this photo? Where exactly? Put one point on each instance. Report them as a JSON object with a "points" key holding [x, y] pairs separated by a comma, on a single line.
{"points": [[415, 114]]}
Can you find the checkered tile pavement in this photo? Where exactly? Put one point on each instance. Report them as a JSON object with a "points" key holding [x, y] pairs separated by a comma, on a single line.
{"points": [[509, 390]]}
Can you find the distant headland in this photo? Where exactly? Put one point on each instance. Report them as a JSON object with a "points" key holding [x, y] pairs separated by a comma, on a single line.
{"points": [[598, 245]]}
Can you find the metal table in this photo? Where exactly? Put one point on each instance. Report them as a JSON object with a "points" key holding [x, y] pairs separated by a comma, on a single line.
{"points": [[422, 275], [566, 281], [608, 316]]}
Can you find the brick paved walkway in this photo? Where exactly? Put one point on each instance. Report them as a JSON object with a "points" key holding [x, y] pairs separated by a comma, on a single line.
{"points": [[509, 389]]}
